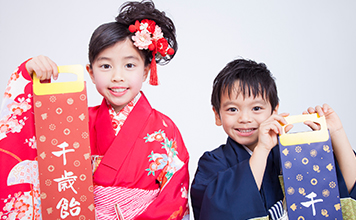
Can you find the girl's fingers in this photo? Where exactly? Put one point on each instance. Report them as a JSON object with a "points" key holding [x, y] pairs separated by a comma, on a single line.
{"points": [[288, 128], [43, 67]]}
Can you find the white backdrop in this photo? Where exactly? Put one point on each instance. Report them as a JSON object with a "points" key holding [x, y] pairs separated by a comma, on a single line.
{"points": [[309, 46]]}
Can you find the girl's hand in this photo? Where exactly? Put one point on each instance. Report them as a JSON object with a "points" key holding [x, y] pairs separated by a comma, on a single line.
{"points": [[332, 119], [44, 67], [269, 130]]}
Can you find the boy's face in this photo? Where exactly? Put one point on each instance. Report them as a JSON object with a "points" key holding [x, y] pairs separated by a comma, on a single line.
{"points": [[118, 73], [241, 116]]}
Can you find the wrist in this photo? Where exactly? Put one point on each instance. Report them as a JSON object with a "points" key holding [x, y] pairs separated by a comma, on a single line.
{"points": [[336, 132], [261, 149]]}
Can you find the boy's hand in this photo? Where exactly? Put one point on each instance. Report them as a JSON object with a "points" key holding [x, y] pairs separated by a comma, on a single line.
{"points": [[43, 66], [332, 119], [269, 130]]}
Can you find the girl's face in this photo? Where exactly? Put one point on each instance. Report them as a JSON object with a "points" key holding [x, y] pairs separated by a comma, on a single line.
{"points": [[118, 73]]}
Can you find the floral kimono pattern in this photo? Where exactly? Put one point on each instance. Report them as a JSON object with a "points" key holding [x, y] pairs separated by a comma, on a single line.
{"points": [[19, 183]]}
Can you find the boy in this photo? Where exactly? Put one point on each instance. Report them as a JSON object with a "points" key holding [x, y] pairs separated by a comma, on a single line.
{"points": [[239, 180]]}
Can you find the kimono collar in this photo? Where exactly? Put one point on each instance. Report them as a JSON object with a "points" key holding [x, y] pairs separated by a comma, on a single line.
{"points": [[118, 119], [122, 144]]}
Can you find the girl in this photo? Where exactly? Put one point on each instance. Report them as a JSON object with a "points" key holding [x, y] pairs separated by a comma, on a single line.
{"points": [[140, 163]]}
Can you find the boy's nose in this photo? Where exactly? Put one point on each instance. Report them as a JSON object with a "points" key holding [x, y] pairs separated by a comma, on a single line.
{"points": [[244, 117]]}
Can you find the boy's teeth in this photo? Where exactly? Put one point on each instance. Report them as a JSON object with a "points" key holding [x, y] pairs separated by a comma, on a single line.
{"points": [[245, 130], [118, 90]]}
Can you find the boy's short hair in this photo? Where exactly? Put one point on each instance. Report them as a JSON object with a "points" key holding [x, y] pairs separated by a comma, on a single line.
{"points": [[253, 78]]}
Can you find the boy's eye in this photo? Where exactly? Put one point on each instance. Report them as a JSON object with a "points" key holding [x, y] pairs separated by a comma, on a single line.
{"points": [[256, 108], [232, 110]]}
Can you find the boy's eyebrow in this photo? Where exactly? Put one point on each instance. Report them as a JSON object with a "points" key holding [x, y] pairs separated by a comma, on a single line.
{"points": [[227, 103], [256, 101]]}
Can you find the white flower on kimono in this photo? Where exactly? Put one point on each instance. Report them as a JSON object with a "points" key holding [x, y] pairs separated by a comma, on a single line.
{"points": [[171, 147], [17, 207], [158, 162], [8, 124], [18, 108], [184, 192], [7, 93], [14, 76], [156, 136]]}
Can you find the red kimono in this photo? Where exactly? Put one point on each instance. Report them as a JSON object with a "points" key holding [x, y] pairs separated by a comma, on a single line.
{"points": [[143, 171]]}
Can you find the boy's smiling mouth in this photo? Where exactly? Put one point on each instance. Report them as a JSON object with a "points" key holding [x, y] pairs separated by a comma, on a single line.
{"points": [[245, 131]]}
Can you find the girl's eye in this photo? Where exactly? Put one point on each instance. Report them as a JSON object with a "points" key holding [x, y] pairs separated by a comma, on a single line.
{"points": [[256, 108], [130, 65]]}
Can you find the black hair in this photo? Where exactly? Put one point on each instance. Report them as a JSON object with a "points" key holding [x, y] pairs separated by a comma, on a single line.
{"points": [[254, 79], [108, 34]]}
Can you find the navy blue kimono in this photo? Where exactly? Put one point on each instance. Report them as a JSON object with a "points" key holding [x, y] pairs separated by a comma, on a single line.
{"points": [[224, 186]]}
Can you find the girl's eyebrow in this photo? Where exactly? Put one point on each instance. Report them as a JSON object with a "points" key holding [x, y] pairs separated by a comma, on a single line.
{"points": [[126, 58], [103, 58], [131, 57]]}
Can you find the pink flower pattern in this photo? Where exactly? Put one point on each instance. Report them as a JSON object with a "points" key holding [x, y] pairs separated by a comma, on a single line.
{"points": [[118, 119], [142, 39]]}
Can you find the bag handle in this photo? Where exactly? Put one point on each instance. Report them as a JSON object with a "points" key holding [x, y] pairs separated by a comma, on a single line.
{"points": [[61, 87], [308, 137]]}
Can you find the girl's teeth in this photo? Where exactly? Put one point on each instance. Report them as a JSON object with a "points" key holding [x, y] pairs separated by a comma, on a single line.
{"points": [[118, 90]]}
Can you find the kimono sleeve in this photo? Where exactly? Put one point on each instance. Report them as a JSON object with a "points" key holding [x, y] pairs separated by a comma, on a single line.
{"points": [[223, 192], [342, 185], [172, 201], [19, 183]]}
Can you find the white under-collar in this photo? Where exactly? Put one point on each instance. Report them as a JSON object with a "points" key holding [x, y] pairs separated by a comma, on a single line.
{"points": [[248, 150]]}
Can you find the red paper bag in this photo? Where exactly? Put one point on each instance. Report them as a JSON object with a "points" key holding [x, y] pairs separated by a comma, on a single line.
{"points": [[61, 123]]}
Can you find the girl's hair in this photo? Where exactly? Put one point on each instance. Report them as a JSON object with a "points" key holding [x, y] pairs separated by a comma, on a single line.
{"points": [[253, 79], [108, 34]]}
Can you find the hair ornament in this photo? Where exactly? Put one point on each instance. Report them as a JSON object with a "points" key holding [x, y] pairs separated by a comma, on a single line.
{"points": [[149, 36]]}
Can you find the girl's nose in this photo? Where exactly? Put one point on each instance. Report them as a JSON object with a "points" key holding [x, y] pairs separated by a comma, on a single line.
{"points": [[117, 75]]}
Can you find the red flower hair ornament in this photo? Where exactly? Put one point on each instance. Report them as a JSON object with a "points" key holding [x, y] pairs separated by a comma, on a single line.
{"points": [[149, 36]]}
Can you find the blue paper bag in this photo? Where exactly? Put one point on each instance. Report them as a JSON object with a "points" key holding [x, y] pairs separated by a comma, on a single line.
{"points": [[309, 175]]}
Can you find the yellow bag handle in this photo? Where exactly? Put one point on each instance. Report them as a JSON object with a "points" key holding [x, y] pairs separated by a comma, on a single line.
{"points": [[61, 87], [321, 135]]}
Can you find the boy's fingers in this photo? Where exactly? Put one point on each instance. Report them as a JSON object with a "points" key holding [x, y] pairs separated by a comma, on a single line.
{"points": [[312, 125], [311, 110], [319, 110]]}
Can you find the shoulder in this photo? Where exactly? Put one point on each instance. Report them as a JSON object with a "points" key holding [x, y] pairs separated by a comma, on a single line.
{"points": [[211, 163], [161, 123], [214, 158], [167, 120], [166, 123], [93, 111]]}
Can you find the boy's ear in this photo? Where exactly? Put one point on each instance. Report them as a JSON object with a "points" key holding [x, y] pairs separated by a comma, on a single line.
{"points": [[217, 118], [90, 71], [275, 111]]}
